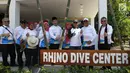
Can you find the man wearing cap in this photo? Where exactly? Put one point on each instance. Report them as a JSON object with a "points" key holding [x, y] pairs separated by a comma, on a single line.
{"points": [[55, 32], [6, 34], [104, 37], [89, 35], [19, 41], [75, 41]]}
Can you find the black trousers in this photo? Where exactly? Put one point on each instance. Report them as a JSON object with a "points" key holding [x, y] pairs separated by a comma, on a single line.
{"points": [[19, 55], [8, 49], [89, 48], [75, 47], [105, 47], [1, 48], [54, 46], [31, 57]]}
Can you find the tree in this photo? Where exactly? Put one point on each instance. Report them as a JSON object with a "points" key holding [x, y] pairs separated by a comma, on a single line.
{"points": [[121, 15]]}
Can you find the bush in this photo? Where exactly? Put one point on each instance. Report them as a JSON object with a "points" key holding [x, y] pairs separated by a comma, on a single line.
{"points": [[67, 69]]}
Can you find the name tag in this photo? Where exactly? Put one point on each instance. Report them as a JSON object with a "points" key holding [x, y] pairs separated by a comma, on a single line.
{"points": [[102, 41], [67, 46], [56, 42], [85, 43]]}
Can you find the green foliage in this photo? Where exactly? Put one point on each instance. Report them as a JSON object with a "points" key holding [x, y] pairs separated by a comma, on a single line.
{"points": [[67, 69], [122, 17], [83, 69]]}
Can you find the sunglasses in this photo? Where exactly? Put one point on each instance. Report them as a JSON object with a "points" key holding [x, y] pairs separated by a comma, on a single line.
{"points": [[85, 21], [75, 22], [103, 21], [6, 21]]}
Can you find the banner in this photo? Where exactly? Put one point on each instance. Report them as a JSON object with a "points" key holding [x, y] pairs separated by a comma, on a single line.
{"points": [[85, 57]]}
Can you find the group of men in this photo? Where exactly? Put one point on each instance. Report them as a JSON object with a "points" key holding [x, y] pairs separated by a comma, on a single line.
{"points": [[75, 38]]}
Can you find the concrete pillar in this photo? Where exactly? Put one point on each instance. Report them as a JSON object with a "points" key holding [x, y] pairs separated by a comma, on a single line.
{"points": [[92, 21], [14, 13], [102, 8]]}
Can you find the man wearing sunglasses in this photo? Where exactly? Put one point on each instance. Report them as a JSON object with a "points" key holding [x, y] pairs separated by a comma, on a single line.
{"points": [[75, 41], [8, 47], [104, 37]]}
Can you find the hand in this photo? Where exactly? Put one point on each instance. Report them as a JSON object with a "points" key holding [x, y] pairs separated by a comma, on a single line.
{"points": [[27, 34], [48, 41], [40, 22], [21, 41], [58, 38], [81, 32], [6, 35], [89, 42], [73, 34], [105, 34]]}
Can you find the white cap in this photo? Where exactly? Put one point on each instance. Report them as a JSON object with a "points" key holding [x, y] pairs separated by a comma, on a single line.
{"points": [[85, 19], [75, 20]]}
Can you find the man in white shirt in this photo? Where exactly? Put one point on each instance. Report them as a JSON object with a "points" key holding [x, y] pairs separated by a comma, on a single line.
{"points": [[8, 47], [75, 41], [55, 32], [18, 37], [104, 37], [89, 35]]}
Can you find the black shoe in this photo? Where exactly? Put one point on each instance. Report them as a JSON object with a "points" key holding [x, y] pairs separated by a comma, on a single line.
{"points": [[6, 64], [103, 68], [13, 65]]}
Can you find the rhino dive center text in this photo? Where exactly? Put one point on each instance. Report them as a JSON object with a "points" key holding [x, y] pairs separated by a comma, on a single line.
{"points": [[85, 57]]}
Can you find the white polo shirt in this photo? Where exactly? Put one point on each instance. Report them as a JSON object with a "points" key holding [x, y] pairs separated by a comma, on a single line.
{"points": [[18, 32], [89, 34], [41, 37], [6, 40], [76, 39], [109, 32], [55, 31]]}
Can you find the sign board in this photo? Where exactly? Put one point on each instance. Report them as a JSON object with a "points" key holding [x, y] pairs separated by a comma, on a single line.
{"points": [[85, 57]]}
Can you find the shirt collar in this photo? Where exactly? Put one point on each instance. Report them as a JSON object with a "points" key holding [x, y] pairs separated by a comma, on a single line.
{"points": [[5, 26]]}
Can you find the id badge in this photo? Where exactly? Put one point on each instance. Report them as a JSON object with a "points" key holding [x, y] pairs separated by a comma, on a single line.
{"points": [[56, 42], [102, 41], [85, 43]]}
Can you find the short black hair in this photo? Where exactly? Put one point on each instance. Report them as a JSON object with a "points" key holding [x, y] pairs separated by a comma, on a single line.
{"points": [[54, 18], [23, 21], [103, 18]]}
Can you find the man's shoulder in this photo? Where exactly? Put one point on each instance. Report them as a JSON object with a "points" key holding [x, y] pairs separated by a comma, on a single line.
{"points": [[55, 26], [1, 27], [109, 26], [18, 27]]}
